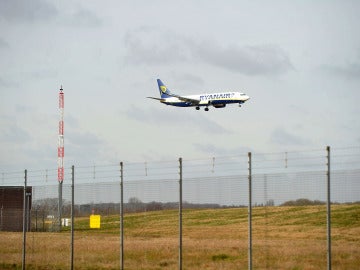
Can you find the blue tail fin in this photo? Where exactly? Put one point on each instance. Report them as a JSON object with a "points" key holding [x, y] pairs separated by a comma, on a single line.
{"points": [[164, 91]]}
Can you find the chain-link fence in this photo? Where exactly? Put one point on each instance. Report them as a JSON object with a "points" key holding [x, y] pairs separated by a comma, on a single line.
{"points": [[253, 210]]}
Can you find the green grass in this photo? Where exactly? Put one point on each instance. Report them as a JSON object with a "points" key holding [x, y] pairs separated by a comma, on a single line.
{"points": [[283, 238]]}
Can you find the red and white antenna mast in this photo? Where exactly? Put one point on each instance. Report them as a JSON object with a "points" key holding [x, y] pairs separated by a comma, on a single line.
{"points": [[61, 138]]}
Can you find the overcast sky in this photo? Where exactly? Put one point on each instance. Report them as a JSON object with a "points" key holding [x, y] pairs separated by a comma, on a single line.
{"points": [[299, 61]]}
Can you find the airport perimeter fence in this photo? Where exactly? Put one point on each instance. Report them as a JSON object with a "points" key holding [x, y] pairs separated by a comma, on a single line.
{"points": [[249, 190]]}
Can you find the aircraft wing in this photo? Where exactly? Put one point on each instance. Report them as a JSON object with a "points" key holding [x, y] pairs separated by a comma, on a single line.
{"points": [[186, 99]]}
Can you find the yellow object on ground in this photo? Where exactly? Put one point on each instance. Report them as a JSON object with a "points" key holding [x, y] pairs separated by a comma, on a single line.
{"points": [[94, 221]]}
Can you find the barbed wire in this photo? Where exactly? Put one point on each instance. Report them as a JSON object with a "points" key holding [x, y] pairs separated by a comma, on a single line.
{"points": [[305, 159]]}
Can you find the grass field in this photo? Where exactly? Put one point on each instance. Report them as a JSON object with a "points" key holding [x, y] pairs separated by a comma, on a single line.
{"points": [[283, 238]]}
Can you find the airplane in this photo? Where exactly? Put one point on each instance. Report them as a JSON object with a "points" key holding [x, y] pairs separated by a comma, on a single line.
{"points": [[217, 100]]}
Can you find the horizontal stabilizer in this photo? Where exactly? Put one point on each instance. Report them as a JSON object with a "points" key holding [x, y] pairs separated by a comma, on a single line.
{"points": [[160, 99]]}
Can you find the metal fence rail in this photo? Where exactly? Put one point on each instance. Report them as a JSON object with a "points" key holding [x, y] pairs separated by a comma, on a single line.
{"points": [[256, 181]]}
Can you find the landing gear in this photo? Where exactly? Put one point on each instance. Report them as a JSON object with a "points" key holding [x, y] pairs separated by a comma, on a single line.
{"points": [[198, 108]]}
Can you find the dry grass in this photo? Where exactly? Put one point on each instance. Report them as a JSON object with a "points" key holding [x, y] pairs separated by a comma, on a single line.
{"points": [[283, 238]]}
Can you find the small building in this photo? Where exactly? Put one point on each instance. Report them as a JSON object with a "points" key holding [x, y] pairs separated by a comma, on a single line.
{"points": [[11, 208]]}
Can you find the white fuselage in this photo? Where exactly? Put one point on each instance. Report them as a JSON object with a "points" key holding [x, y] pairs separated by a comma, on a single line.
{"points": [[215, 99]]}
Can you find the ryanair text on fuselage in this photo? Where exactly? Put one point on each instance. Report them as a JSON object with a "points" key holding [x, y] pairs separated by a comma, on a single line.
{"points": [[217, 100]]}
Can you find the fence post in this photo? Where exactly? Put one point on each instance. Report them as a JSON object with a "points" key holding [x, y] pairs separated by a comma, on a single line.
{"points": [[24, 223], [328, 210], [72, 217], [121, 217], [250, 214], [180, 213], [60, 190]]}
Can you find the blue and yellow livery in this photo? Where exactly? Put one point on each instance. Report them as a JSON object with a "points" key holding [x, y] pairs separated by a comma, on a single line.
{"points": [[217, 100]]}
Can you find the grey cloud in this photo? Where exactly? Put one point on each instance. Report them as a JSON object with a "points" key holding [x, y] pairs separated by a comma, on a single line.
{"points": [[14, 134], [282, 137], [27, 11], [152, 116], [78, 138], [72, 121], [84, 18], [141, 48], [248, 60], [44, 152], [348, 71], [41, 73], [83, 147], [3, 44], [188, 80], [7, 83], [24, 109], [220, 151], [33, 11]]}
